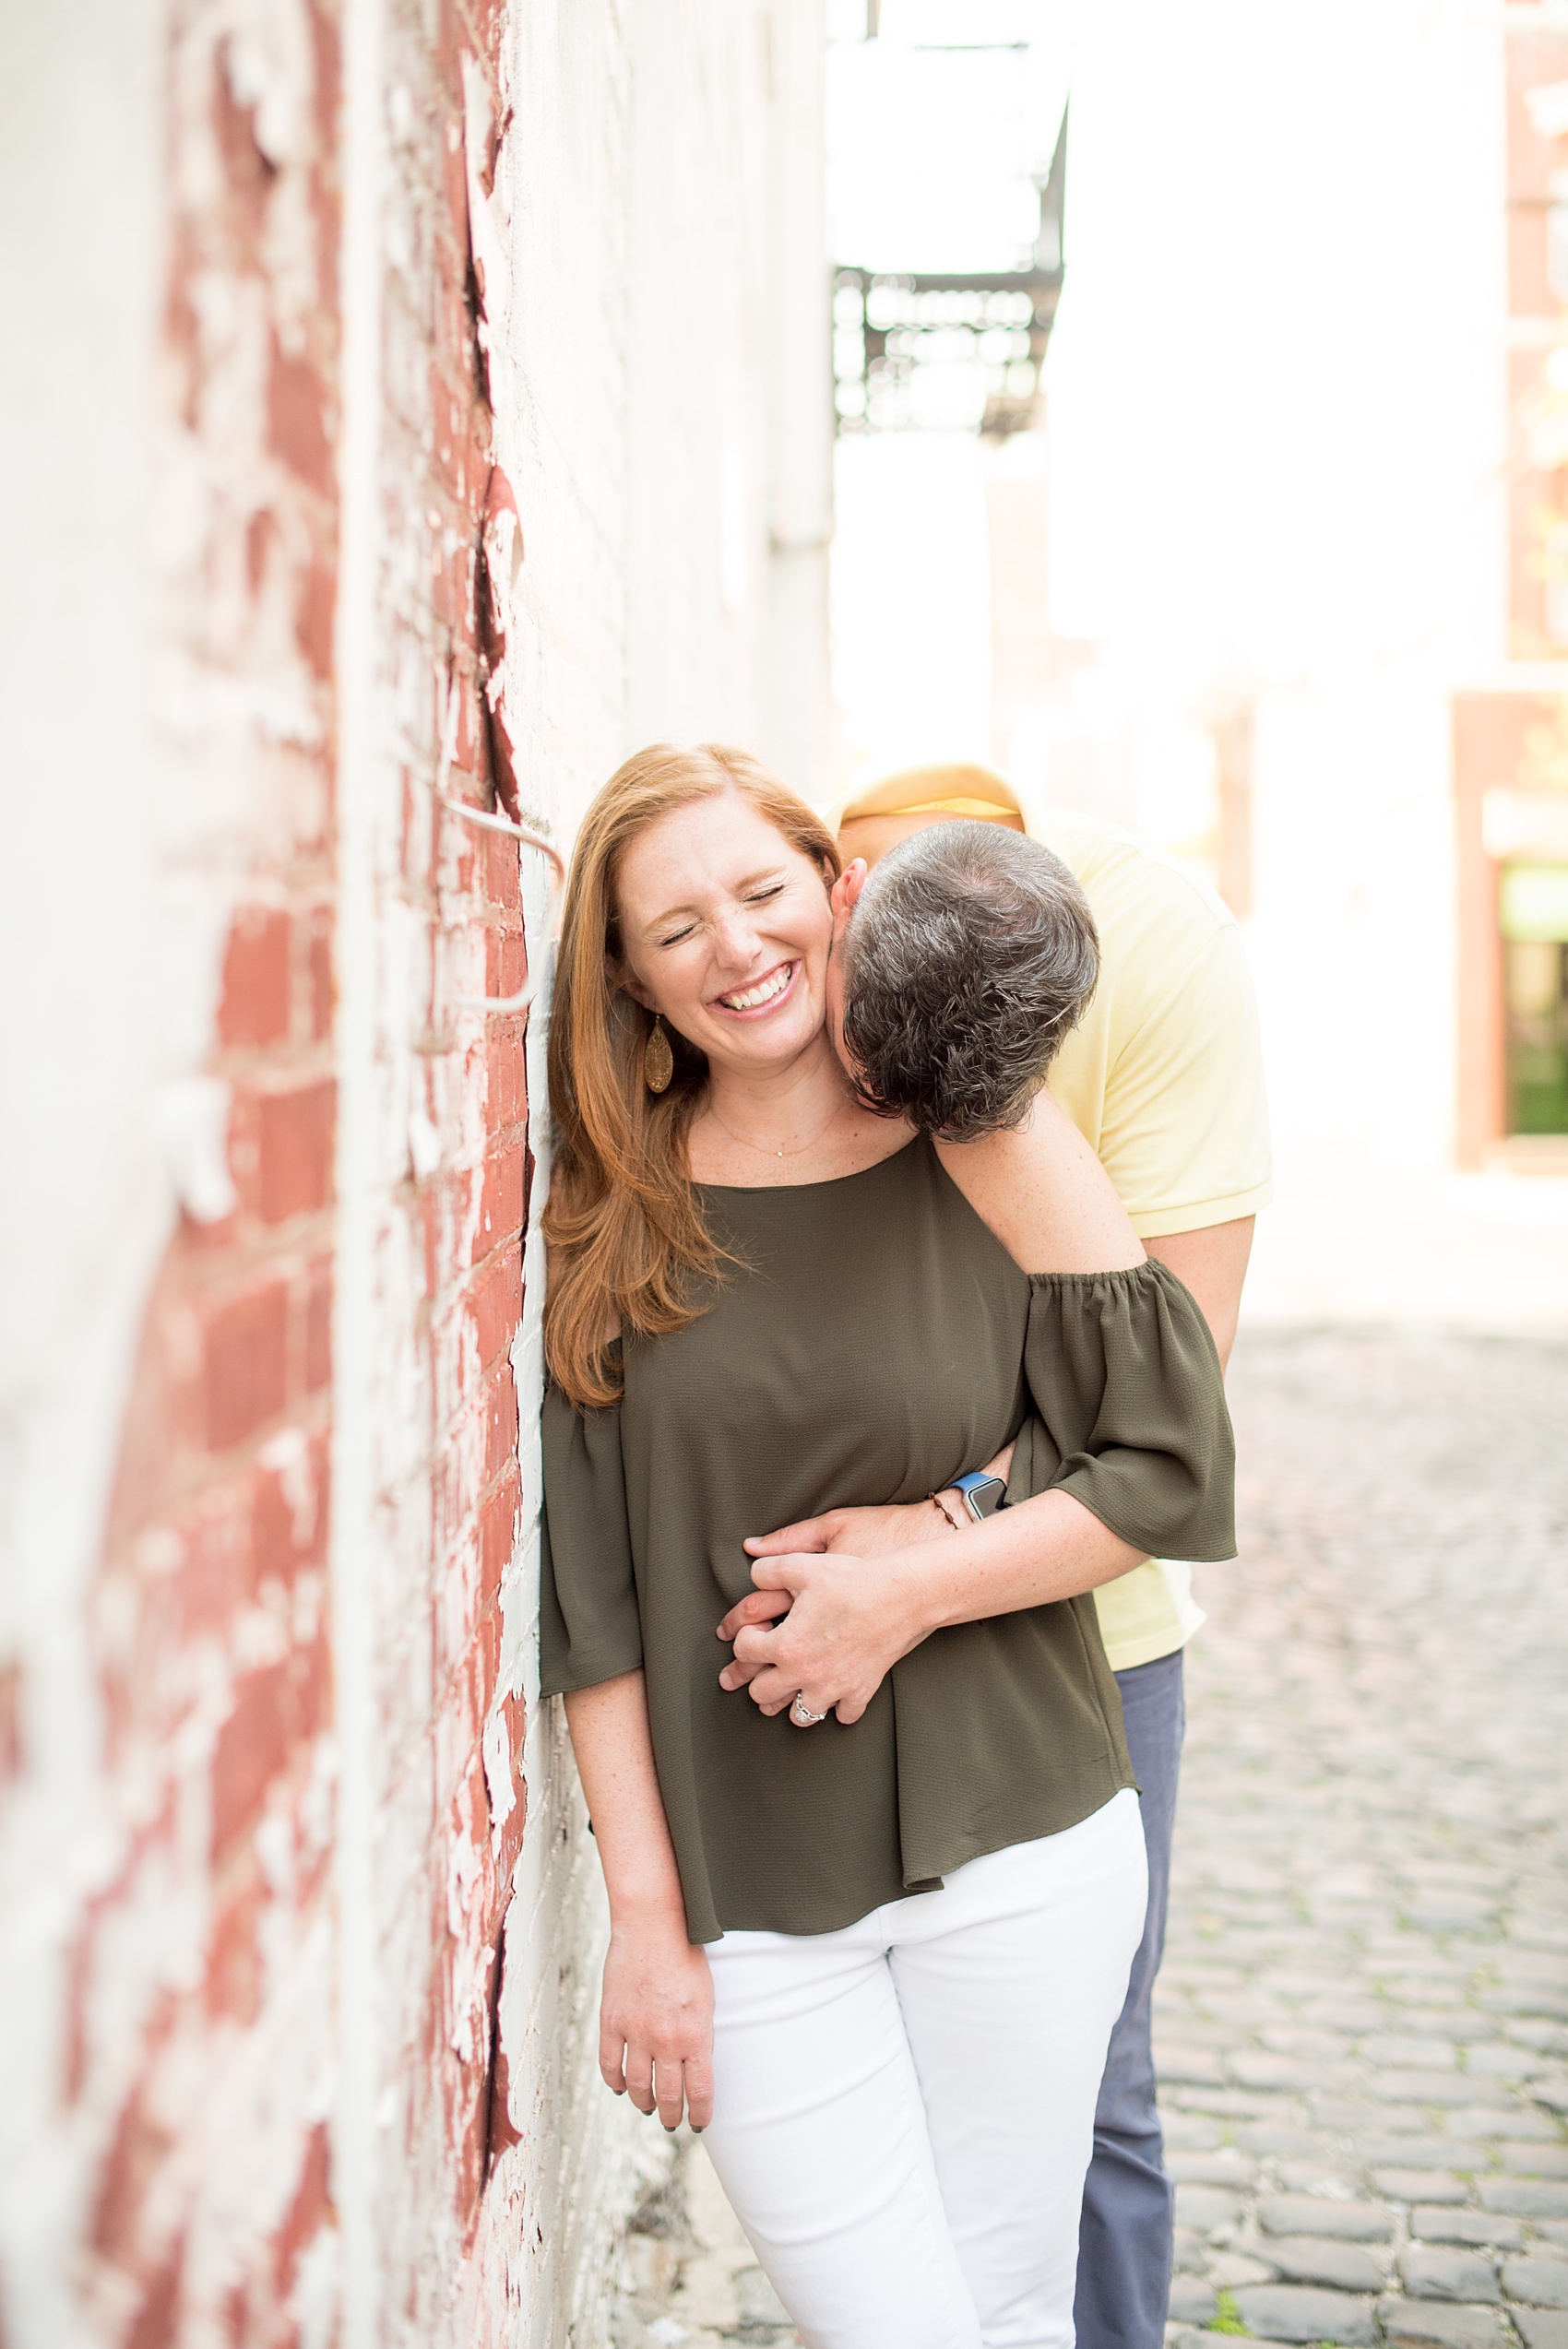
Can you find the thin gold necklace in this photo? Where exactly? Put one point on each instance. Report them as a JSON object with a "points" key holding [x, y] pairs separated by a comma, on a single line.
{"points": [[763, 1149]]}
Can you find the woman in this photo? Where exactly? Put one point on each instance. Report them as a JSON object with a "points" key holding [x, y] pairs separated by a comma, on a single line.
{"points": [[878, 1955]]}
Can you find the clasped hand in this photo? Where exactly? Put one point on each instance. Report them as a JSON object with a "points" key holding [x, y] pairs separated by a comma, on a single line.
{"points": [[828, 1620]]}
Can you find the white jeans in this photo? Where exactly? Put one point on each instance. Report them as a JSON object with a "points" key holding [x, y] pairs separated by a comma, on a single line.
{"points": [[904, 2110]]}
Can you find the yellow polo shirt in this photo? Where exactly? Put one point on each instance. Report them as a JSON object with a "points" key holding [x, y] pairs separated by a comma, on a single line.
{"points": [[1163, 1075]]}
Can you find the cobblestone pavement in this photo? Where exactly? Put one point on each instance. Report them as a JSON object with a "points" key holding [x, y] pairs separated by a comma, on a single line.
{"points": [[1363, 2018]]}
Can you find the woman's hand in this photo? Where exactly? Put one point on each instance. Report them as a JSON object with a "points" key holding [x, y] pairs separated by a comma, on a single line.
{"points": [[655, 2015], [656, 2020], [846, 1622]]}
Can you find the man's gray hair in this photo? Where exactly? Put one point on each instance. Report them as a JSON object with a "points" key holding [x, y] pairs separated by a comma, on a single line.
{"points": [[971, 953]]}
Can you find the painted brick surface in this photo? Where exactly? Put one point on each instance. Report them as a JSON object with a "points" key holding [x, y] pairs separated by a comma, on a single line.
{"points": [[299, 1921], [498, 2170], [199, 2021]]}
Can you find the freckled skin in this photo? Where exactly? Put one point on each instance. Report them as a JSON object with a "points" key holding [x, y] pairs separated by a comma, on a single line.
{"points": [[714, 903]]}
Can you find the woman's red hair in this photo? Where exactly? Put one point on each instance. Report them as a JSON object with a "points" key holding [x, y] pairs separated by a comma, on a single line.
{"points": [[629, 1248]]}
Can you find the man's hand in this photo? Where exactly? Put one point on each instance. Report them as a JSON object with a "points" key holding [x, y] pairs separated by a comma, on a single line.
{"points": [[854, 1533], [849, 1619], [857, 1533], [845, 1627]]}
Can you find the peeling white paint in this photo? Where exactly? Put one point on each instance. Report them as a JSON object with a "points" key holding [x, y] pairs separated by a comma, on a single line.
{"points": [[488, 239], [287, 1455], [194, 1116], [270, 64]]}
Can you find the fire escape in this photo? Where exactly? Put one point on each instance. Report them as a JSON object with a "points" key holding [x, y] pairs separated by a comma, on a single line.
{"points": [[887, 327]]}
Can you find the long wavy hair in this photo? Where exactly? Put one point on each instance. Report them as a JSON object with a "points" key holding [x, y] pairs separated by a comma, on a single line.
{"points": [[629, 1245]]}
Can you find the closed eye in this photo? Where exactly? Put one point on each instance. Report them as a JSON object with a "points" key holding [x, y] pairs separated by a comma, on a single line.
{"points": [[752, 898]]}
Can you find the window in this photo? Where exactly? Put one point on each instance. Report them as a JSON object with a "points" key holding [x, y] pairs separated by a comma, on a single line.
{"points": [[1535, 931]]}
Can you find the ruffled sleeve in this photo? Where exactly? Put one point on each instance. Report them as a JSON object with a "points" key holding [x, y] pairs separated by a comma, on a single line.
{"points": [[1130, 1414], [589, 1627]]}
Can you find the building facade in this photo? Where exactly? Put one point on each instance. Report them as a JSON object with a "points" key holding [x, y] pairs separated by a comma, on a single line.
{"points": [[417, 406], [1511, 734]]}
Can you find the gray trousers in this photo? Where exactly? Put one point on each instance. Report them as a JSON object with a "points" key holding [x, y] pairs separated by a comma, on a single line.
{"points": [[1124, 2235]]}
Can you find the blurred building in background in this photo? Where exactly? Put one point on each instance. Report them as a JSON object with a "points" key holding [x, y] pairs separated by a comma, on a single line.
{"points": [[1510, 738], [410, 409], [1264, 563]]}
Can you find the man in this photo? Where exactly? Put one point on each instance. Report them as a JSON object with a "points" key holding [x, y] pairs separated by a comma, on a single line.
{"points": [[1162, 1075]]}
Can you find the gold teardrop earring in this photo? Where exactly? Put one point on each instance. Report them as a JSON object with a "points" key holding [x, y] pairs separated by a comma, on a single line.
{"points": [[659, 1061]]}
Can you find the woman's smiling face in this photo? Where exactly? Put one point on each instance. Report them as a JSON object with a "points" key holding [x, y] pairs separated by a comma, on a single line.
{"points": [[725, 928]]}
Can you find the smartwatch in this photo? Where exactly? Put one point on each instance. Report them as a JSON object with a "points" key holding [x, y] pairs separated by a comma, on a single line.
{"points": [[981, 1495]]}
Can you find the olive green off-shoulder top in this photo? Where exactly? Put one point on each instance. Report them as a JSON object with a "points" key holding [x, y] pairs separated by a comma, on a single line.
{"points": [[877, 1342]]}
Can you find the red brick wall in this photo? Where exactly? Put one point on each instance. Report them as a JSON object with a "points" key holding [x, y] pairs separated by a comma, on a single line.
{"points": [[446, 1764], [297, 2025], [203, 1979], [1538, 490]]}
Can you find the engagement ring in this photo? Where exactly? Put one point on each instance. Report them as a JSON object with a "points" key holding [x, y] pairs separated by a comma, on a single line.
{"points": [[802, 1714]]}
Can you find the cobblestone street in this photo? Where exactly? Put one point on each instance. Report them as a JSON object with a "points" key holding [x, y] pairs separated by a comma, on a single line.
{"points": [[1363, 2027]]}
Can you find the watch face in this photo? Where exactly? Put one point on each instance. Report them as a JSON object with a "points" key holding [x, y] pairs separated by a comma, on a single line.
{"points": [[983, 1497]]}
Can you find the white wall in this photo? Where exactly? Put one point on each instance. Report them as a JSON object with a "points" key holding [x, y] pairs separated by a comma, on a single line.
{"points": [[640, 184], [669, 450], [1277, 422]]}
